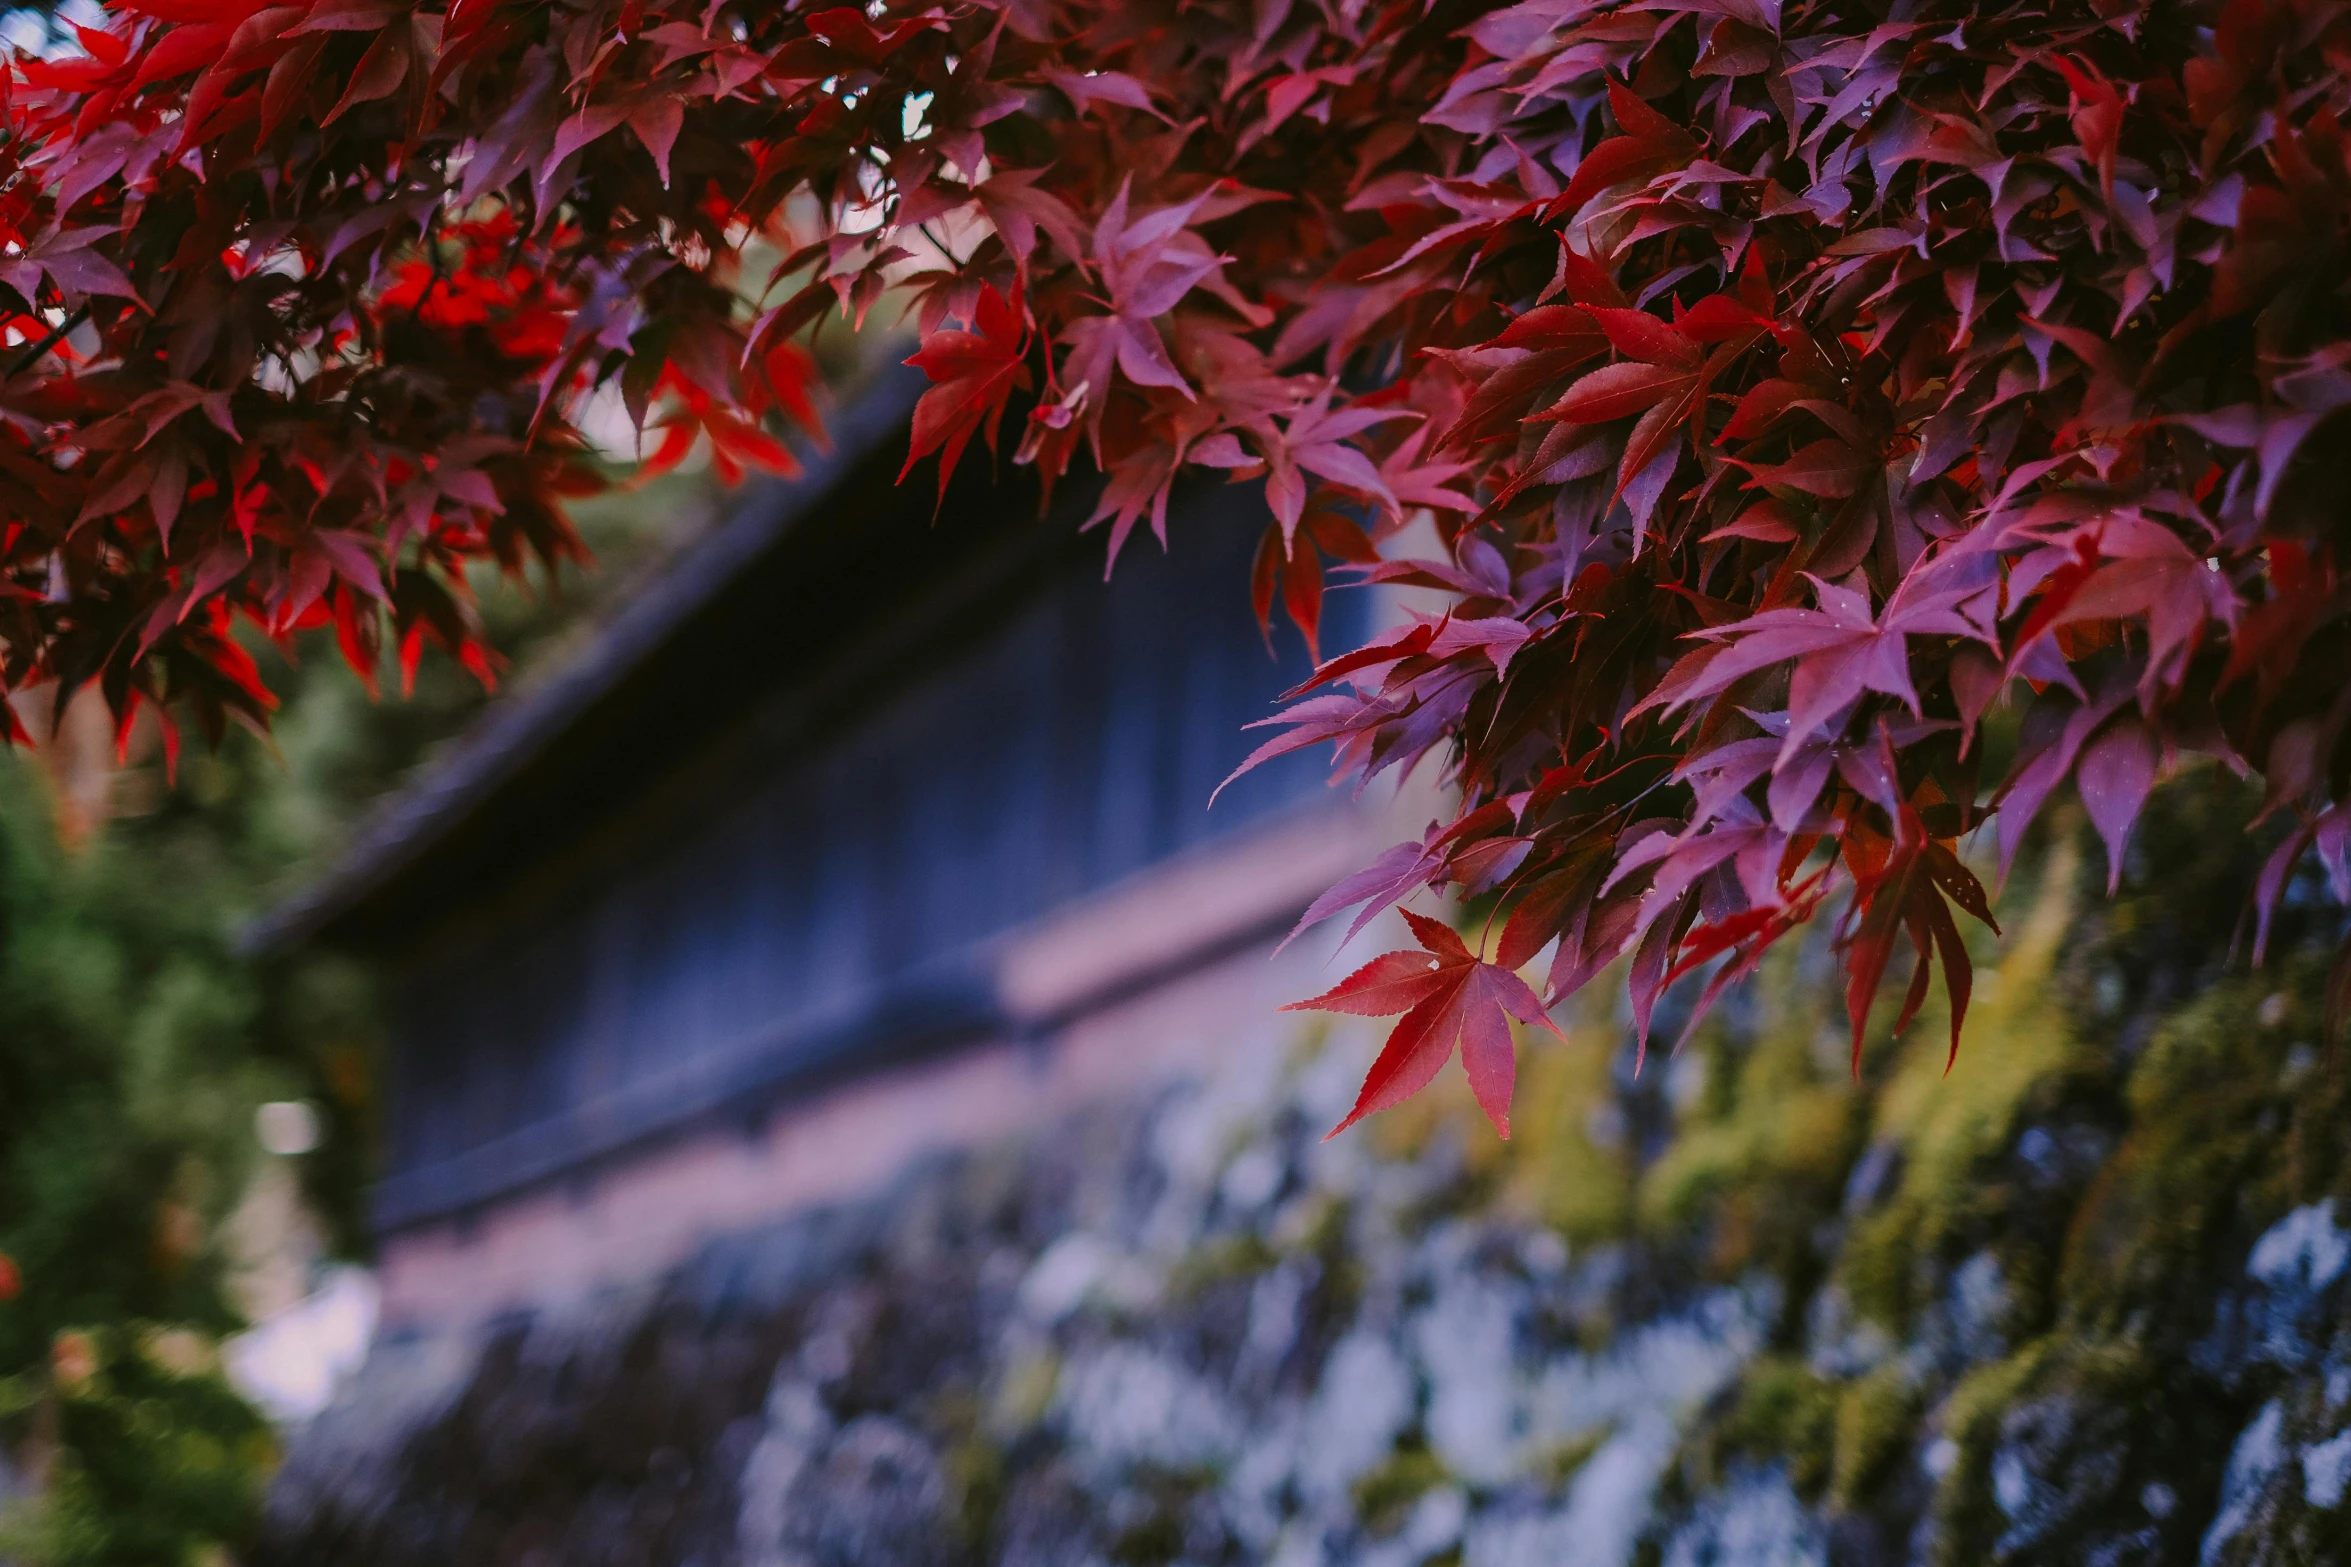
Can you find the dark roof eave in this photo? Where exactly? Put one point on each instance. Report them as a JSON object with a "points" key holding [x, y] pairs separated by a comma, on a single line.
{"points": [[510, 734]]}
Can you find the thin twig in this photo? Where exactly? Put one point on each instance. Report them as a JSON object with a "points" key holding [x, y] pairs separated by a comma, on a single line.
{"points": [[57, 334], [944, 248]]}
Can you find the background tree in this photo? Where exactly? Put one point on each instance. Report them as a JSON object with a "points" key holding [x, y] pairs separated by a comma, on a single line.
{"points": [[1788, 384], [136, 1041]]}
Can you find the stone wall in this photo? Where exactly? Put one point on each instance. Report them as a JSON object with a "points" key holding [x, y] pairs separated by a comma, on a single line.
{"points": [[2082, 1301]]}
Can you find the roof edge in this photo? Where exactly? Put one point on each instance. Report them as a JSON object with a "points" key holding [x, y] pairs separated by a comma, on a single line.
{"points": [[405, 826]]}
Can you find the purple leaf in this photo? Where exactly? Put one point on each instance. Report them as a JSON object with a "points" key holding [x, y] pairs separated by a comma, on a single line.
{"points": [[2116, 773]]}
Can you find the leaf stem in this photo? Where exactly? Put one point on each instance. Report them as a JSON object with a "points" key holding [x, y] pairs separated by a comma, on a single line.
{"points": [[57, 334]]}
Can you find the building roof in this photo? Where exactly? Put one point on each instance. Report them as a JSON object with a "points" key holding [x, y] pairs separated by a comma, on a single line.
{"points": [[792, 566]]}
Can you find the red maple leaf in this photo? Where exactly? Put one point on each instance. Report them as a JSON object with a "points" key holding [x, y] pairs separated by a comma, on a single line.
{"points": [[1449, 997], [973, 374], [1664, 376], [1905, 886]]}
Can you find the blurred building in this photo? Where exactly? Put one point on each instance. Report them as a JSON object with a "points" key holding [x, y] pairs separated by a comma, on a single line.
{"points": [[841, 1119], [862, 832]]}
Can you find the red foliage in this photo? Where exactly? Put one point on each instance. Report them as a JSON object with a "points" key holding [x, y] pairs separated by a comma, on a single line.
{"points": [[1788, 382], [1450, 1000]]}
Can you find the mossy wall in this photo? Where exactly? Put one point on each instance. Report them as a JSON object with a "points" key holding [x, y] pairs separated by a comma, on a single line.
{"points": [[2078, 1300]]}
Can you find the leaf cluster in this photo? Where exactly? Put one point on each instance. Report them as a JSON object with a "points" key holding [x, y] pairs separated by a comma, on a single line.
{"points": [[1788, 381]]}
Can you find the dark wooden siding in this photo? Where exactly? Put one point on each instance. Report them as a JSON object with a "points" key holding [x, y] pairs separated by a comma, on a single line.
{"points": [[830, 904]]}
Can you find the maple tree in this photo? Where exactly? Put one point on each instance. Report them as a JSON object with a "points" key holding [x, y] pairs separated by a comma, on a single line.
{"points": [[1787, 383]]}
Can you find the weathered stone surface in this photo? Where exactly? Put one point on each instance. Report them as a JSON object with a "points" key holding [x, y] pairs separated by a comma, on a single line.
{"points": [[2081, 1302]]}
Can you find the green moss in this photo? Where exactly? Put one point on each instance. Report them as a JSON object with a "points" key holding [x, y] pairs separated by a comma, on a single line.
{"points": [[1403, 1133], [2105, 1418], [1875, 1266], [1947, 1118], [1313, 1226], [1560, 1464], [1312, 1037], [1763, 1151], [1875, 1419], [1024, 1392], [2125, 1117], [1969, 1519], [1155, 1536], [1783, 1413], [1221, 1261], [2225, 1134], [1560, 1172], [1157, 1539], [1319, 1228], [976, 1471], [974, 1463], [1384, 1496]]}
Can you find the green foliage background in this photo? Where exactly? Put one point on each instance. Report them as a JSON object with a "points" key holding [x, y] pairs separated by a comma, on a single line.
{"points": [[136, 1040]]}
